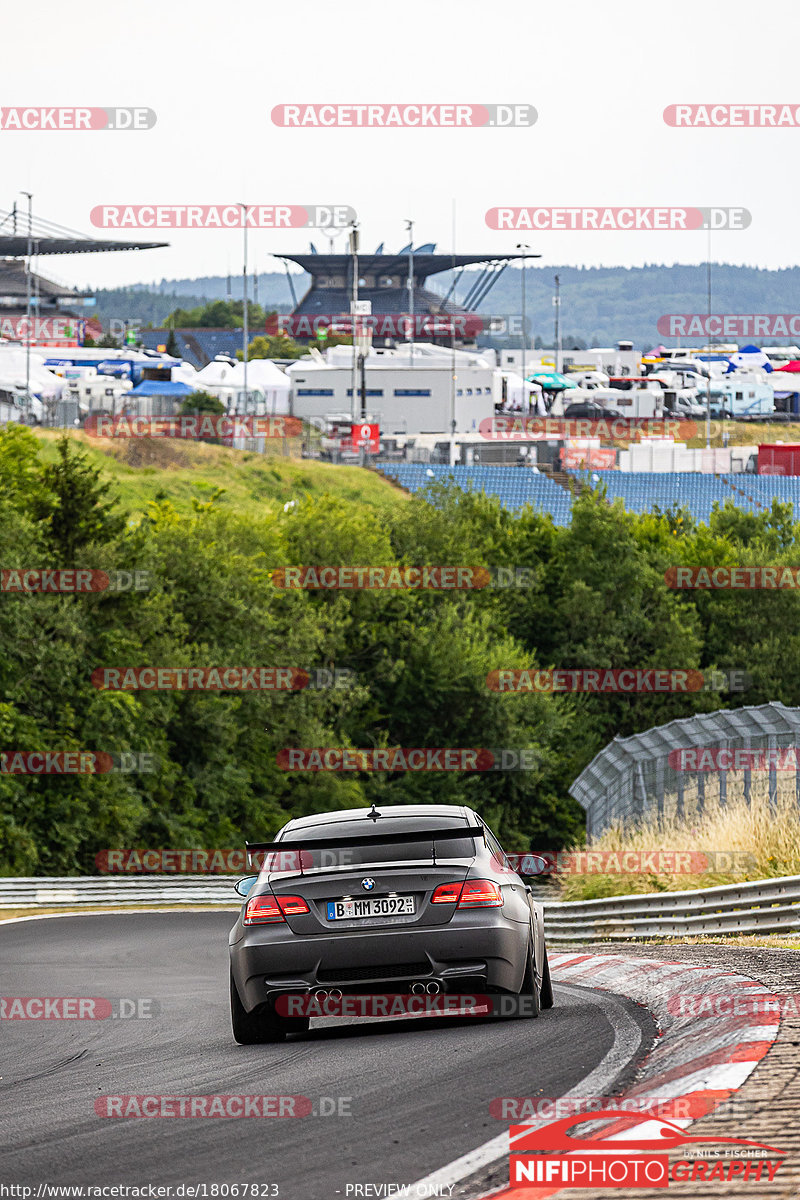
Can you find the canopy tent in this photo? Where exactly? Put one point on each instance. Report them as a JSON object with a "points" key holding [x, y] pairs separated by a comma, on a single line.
{"points": [[523, 396], [552, 381], [161, 387], [185, 373], [43, 382], [750, 358], [264, 380]]}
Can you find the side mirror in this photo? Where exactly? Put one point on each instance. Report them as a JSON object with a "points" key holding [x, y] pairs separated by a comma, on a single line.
{"points": [[243, 886], [533, 864]]}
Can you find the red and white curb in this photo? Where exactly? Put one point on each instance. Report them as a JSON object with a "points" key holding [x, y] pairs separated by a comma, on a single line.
{"points": [[701, 1059]]}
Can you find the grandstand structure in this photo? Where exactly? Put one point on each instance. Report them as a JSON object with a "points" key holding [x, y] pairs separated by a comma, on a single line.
{"points": [[640, 492], [515, 486], [643, 779], [32, 307], [383, 282], [643, 491]]}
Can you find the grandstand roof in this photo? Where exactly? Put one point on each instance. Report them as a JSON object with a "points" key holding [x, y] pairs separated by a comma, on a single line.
{"points": [[388, 264], [49, 238]]}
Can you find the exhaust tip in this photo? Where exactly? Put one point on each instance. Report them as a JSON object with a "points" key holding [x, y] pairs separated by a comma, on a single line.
{"points": [[320, 994], [417, 988], [433, 987], [335, 994]]}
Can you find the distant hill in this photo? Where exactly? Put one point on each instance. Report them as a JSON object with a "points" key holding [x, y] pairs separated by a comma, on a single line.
{"points": [[599, 305]]}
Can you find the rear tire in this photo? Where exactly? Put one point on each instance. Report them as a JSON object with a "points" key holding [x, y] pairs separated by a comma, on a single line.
{"points": [[546, 999], [526, 1003], [262, 1024]]}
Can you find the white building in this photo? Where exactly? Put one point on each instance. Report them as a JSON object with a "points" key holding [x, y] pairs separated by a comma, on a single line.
{"points": [[426, 389]]}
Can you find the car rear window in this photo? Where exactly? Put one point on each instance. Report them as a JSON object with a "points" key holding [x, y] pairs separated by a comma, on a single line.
{"points": [[341, 857]]}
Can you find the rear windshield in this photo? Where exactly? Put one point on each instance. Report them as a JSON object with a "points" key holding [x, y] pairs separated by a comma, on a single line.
{"points": [[341, 857]]}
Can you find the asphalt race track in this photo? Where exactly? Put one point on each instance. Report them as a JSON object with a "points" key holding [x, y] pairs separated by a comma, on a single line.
{"points": [[419, 1088]]}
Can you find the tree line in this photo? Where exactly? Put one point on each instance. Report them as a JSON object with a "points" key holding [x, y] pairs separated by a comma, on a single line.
{"points": [[413, 664]]}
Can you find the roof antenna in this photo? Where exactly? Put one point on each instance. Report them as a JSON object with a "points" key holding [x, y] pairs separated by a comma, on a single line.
{"points": [[373, 813]]}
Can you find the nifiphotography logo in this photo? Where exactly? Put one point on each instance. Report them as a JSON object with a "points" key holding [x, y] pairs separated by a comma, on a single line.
{"points": [[551, 1155]]}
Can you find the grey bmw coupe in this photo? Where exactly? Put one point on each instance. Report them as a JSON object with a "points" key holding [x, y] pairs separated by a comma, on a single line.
{"points": [[397, 900]]}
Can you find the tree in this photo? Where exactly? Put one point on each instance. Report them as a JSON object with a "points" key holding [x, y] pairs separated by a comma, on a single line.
{"points": [[73, 508], [218, 314], [272, 346], [201, 403], [172, 345]]}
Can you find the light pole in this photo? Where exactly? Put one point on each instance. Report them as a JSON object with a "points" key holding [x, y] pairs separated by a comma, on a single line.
{"points": [[353, 311], [410, 285], [523, 246], [245, 331], [708, 381], [557, 333], [28, 302]]}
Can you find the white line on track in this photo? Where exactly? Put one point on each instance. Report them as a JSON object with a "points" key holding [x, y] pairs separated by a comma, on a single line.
{"points": [[627, 1043]]}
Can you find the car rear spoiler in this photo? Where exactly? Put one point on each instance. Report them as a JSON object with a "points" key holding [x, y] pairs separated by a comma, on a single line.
{"points": [[392, 839]]}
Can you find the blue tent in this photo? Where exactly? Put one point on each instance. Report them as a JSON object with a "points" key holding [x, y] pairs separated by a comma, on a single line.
{"points": [[161, 387]]}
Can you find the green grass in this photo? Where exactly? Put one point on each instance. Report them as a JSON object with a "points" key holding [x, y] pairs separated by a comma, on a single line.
{"points": [[740, 433], [183, 472]]}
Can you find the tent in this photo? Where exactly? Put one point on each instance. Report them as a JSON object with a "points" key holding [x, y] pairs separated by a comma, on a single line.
{"points": [[527, 396], [266, 382], [551, 380], [161, 387], [792, 368], [43, 382], [750, 358]]}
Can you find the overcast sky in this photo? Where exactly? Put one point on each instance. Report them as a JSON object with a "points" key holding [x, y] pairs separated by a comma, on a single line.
{"points": [[599, 75]]}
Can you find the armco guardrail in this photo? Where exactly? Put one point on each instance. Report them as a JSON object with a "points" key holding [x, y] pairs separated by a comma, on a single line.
{"points": [[67, 892], [765, 906]]}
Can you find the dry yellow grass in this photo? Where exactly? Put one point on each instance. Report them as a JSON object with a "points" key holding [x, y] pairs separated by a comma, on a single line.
{"points": [[742, 841]]}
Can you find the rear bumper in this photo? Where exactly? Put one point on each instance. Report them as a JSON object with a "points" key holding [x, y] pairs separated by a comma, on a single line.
{"points": [[482, 946]]}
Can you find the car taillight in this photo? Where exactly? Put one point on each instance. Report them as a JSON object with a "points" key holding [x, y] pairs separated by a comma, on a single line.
{"points": [[480, 893], [292, 906], [262, 910], [446, 893], [475, 893]]}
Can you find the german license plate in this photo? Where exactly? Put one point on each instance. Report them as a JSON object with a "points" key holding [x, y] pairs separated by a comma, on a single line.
{"points": [[374, 906]]}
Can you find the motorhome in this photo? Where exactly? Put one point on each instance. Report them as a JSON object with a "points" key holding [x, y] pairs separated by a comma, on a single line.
{"points": [[638, 402], [740, 395]]}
